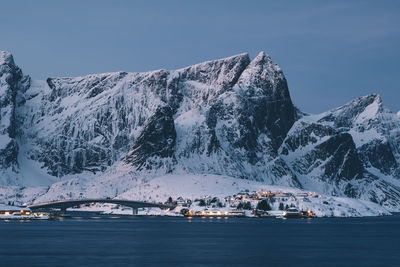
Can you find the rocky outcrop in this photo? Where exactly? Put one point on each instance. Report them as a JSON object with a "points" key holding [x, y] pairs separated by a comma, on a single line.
{"points": [[379, 155], [238, 131], [351, 150], [156, 141], [12, 86], [231, 116], [266, 105]]}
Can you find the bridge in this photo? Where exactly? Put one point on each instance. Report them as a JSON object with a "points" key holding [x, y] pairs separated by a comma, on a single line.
{"points": [[63, 205]]}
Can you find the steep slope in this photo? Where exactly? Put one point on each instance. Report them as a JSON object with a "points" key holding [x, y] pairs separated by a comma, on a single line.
{"points": [[102, 134], [12, 85], [155, 143], [352, 150], [88, 123], [238, 132], [230, 116], [85, 123]]}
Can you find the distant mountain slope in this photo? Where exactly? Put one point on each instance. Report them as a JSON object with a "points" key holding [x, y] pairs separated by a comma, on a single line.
{"points": [[352, 150], [232, 116]]}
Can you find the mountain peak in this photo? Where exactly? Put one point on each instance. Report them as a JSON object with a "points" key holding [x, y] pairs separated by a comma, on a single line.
{"points": [[262, 56], [365, 101], [398, 113], [361, 109], [234, 58], [264, 76], [221, 74], [6, 58], [226, 117], [376, 97]]}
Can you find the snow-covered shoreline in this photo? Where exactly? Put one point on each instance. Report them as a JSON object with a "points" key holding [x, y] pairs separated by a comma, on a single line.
{"points": [[191, 187]]}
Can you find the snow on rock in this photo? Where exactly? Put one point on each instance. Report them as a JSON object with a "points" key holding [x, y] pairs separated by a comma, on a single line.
{"points": [[349, 151], [6, 58], [89, 123], [12, 85], [20, 195], [155, 143], [104, 135]]}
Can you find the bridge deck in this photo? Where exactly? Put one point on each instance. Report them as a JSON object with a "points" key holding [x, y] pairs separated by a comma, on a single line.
{"points": [[64, 204]]}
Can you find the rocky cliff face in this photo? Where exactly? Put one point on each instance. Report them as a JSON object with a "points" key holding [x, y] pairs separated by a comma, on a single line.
{"points": [[238, 131], [12, 86], [229, 116], [351, 150], [155, 143], [232, 116]]}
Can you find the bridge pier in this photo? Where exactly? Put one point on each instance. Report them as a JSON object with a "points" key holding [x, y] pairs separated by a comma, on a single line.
{"points": [[134, 211]]}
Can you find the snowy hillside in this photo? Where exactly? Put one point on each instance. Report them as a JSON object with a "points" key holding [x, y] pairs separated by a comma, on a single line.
{"points": [[352, 151], [98, 135], [189, 186]]}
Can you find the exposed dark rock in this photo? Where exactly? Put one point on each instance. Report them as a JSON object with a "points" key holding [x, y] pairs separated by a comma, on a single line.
{"points": [[344, 163], [308, 134], [378, 154], [231, 116], [265, 103], [12, 86], [157, 140], [8, 156], [336, 158]]}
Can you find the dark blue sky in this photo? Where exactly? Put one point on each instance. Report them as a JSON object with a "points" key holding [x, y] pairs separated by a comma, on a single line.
{"points": [[330, 51]]}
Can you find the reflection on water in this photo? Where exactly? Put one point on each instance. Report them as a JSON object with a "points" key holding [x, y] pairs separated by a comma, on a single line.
{"points": [[170, 241]]}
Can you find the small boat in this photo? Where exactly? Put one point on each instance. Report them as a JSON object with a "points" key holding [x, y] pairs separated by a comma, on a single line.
{"points": [[263, 214], [41, 216], [292, 213], [277, 213], [236, 213]]}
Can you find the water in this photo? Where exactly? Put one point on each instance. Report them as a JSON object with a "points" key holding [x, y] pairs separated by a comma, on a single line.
{"points": [[167, 241]]}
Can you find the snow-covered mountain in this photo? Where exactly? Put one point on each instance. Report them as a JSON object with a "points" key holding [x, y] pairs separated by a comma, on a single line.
{"points": [[352, 150], [230, 117]]}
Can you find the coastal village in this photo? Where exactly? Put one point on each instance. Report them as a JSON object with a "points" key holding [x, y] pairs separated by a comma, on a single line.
{"points": [[247, 204], [252, 204], [243, 204]]}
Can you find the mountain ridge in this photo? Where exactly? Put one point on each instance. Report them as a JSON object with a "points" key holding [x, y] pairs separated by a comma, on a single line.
{"points": [[232, 116]]}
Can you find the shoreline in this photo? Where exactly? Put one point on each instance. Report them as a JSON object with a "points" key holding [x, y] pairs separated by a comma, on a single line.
{"points": [[95, 215]]}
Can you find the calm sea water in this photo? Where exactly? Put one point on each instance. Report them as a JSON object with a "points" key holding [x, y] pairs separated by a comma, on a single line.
{"points": [[158, 241]]}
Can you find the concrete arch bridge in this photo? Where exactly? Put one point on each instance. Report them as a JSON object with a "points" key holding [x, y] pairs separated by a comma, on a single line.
{"points": [[63, 205]]}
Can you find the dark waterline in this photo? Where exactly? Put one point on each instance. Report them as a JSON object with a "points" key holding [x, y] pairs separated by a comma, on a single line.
{"points": [[168, 241]]}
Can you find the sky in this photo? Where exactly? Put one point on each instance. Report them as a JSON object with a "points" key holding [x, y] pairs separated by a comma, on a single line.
{"points": [[330, 51]]}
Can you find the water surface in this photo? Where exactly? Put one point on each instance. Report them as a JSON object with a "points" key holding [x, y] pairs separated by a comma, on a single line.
{"points": [[168, 241]]}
